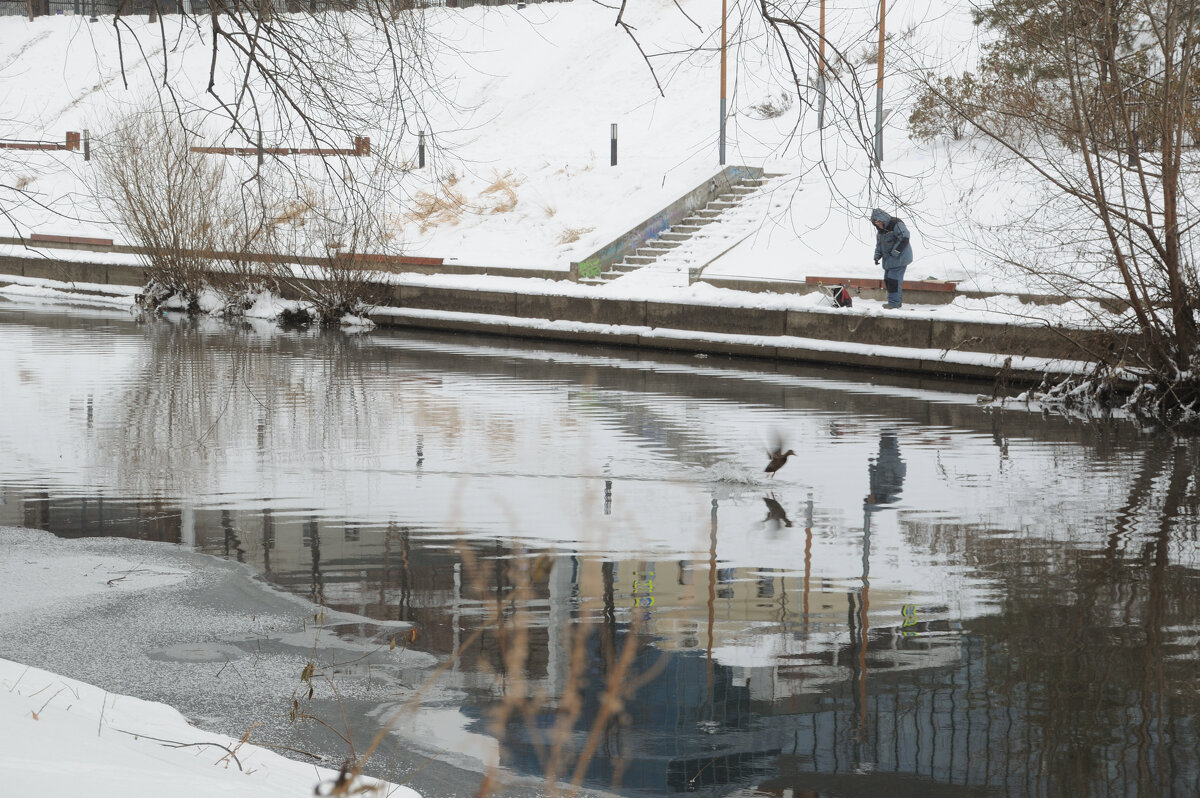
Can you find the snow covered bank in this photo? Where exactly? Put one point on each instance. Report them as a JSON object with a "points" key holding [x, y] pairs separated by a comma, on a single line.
{"points": [[63, 737], [120, 617], [967, 337], [519, 160]]}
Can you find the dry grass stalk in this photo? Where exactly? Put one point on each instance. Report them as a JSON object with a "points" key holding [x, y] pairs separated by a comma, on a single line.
{"points": [[294, 211], [505, 185], [572, 234], [431, 209], [510, 618]]}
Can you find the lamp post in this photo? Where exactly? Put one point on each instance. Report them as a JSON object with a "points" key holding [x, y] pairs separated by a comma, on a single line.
{"points": [[721, 144], [879, 89], [821, 73]]}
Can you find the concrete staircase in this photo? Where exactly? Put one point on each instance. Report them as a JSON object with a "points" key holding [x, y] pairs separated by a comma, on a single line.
{"points": [[650, 252]]}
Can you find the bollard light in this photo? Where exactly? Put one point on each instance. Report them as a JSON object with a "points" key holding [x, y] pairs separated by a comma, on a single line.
{"points": [[613, 150]]}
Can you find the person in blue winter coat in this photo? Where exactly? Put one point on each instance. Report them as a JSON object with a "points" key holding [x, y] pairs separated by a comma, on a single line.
{"points": [[892, 246]]}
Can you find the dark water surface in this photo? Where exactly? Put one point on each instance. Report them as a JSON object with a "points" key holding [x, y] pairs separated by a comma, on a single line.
{"points": [[931, 598]]}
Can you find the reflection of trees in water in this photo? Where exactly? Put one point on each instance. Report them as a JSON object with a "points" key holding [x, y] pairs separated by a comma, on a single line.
{"points": [[209, 395], [213, 397], [1094, 648]]}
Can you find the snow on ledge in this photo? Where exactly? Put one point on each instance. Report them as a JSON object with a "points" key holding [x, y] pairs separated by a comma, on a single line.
{"points": [[982, 359]]}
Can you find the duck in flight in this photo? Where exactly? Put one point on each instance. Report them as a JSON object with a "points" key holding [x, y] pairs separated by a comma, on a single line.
{"points": [[778, 458]]}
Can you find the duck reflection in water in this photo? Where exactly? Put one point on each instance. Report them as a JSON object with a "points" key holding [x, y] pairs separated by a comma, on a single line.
{"points": [[885, 473], [776, 515]]}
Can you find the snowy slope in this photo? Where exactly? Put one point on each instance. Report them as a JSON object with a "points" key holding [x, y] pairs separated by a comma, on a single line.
{"points": [[520, 125]]}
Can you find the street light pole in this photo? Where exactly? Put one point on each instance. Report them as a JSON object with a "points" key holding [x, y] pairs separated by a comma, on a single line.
{"points": [[879, 89], [821, 74], [724, 13]]}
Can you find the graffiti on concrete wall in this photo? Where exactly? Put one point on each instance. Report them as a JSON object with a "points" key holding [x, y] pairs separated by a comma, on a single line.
{"points": [[656, 225]]}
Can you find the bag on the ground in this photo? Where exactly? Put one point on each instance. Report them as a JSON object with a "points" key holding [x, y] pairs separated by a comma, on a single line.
{"points": [[840, 296]]}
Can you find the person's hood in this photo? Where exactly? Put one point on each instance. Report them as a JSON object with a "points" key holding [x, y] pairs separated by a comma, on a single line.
{"points": [[879, 216]]}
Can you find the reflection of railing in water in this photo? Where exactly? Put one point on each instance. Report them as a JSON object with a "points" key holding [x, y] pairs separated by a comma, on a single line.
{"points": [[946, 725]]}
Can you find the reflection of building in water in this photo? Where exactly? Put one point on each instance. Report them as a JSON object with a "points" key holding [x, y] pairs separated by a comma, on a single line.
{"points": [[801, 693]]}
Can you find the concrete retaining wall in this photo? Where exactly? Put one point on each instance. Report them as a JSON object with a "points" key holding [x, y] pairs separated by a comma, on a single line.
{"points": [[399, 264], [818, 324], [72, 271]]}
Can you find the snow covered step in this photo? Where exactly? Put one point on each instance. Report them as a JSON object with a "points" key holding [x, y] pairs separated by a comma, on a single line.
{"points": [[697, 243]]}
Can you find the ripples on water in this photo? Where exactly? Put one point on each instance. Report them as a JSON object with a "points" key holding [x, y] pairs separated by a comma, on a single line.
{"points": [[931, 597]]}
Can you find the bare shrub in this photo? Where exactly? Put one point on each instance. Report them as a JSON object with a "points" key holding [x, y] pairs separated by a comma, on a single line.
{"points": [[338, 240], [161, 196], [244, 262]]}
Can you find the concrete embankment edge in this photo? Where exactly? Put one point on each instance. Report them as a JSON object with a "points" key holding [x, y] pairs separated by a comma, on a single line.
{"points": [[896, 342], [896, 359]]}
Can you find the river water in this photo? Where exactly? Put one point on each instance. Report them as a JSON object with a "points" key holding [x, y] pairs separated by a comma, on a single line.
{"points": [[569, 560]]}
